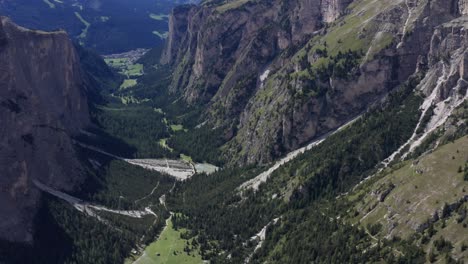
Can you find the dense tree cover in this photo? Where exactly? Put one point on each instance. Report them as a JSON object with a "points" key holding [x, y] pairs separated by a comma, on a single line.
{"points": [[338, 164], [68, 236], [215, 211], [125, 130], [316, 77], [53, 244], [339, 66], [152, 57], [316, 235], [93, 242], [221, 219], [333, 168], [136, 128], [128, 130], [308, 231], [202, 144], [102, 77], [119, 185], [142, 125], [65, 235], [153, 85], [96, 242], [139, 126]]}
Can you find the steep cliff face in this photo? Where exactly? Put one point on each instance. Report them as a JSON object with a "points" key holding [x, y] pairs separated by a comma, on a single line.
{"points": [[390, 40], [219, 51], [285, 72], [443, 113], [213, 48], [445, 84], [463, 7], [333, 9], [43, 104]]}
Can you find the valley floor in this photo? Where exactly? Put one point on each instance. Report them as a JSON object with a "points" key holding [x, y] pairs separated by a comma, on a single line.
{"points": [[169, 248]]}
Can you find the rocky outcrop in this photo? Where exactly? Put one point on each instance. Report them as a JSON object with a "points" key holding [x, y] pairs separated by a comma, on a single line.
{"points": [[445, 90], [178, 25], [278, 74], [43, 104], [463, 7], [333, 9], [445, 84]]}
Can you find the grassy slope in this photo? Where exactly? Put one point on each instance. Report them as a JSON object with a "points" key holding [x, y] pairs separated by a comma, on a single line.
{"points": [[231, 5], [134, 70], [171, 249], [422, 187], [127, 83], [117, 63], [345, 33], [456, 233], [131, 71], [176, 128]]}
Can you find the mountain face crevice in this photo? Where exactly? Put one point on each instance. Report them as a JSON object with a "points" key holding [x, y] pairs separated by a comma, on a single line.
{"points": [[43, 104], [286, 72]]}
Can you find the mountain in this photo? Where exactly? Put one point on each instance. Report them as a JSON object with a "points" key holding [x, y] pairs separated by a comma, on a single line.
{"points": [[44, 104], [103, 25], [278, 74], [301, 131], [355, 109]]}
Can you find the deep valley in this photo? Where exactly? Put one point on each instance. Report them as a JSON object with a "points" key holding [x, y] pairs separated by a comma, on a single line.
{"points": [[234, 131]]}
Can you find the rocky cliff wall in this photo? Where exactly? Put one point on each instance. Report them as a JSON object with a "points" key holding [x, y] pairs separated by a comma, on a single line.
{"points": [[286, 72], [333, 9], [43, 103], [210, 47]]}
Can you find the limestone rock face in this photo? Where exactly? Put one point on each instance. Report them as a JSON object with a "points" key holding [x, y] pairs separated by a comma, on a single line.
{"points": [[214, 48], [278, 74], [333, 9], [463, 7], [42, 105]]}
